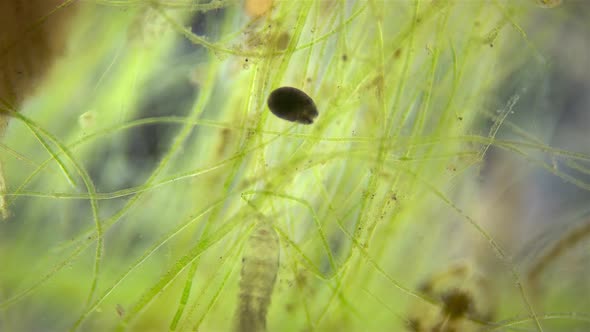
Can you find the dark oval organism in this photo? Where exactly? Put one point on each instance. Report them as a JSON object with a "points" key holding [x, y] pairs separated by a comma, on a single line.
{"points": [[292, 104]]}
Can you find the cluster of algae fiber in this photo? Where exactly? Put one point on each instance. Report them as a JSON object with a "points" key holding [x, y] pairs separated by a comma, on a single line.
{"points": [[137, 173]]}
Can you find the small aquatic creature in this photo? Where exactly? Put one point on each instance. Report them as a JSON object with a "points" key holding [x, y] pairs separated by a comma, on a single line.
{"points": [[293, 105], [260, 264]]}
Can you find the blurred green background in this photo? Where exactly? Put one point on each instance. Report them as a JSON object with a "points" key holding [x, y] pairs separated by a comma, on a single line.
{"points": [[443, 187]]}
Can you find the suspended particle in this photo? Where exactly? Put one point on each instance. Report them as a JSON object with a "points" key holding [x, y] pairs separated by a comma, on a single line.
{"points": [[260, 264], [293, 105], [120, 310], [87, 120]]}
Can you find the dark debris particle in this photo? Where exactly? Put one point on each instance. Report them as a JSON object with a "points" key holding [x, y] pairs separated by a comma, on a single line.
{"points": [[293, 105], [456, 303]]}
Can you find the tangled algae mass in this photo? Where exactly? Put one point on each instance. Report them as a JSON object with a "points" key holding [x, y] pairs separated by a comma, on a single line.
{"points": [[150, 182]]}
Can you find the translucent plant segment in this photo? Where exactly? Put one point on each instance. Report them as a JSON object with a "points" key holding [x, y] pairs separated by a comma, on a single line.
{"points": [[424, 165]]}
